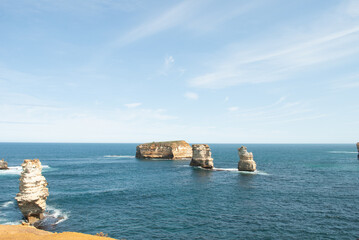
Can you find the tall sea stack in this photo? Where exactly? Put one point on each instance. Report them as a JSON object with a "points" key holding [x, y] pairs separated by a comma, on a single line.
{"points": [[173, 150], [201, 156], [246, 162], [33, 191], [3, 165]]}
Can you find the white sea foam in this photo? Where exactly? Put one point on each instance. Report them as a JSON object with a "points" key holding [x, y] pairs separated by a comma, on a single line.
{"points": [[13, 223], [343, 152], [235, 170], [56, 213], [7, 204], [16, 170], [119, 156]]}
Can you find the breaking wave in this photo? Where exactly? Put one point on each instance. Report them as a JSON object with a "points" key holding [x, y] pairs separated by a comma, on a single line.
{"points": [[57, 214]]}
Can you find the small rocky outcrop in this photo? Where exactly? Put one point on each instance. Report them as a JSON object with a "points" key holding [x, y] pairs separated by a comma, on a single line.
{"points": [[358, 149], [174, 150], [3, 165], [246, 162], [33, 191], [201, 156]]}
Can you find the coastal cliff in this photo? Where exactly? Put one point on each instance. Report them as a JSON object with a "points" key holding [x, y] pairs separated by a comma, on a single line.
{"points": [[33, 191], [174, 150], [3, 165], [20, 232], [246, 162], [201, 156]]}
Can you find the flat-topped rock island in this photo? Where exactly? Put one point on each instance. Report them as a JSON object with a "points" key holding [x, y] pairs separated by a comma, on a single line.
{"points": [[173, 150]]}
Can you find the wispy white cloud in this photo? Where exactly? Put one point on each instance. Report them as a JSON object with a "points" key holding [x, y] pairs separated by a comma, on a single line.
{"points": [[168, 19], [133, 105], [266, 62], [278, 112], [191, 95], [233, 109], [167, 65]]}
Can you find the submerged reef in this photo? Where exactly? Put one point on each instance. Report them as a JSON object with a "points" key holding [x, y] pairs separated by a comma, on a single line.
{"points": [[246, 162], [33, 191], [3, 165], [201, 156], [174, 150]]}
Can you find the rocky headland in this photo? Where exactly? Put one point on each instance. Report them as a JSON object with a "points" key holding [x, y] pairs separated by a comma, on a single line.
{"points": [[33, 191], [201, 156], [3, 165], [23, 232], [174, 150], [246, 162]]}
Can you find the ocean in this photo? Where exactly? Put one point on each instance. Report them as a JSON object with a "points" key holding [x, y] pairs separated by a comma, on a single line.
{"points": [[300, 191]]}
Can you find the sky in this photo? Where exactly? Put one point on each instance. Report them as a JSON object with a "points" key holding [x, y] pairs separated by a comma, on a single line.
{"points": [[270, 71]]}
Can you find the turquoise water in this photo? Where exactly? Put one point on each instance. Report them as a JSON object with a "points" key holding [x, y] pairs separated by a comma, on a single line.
{"points": [[301, 191]]}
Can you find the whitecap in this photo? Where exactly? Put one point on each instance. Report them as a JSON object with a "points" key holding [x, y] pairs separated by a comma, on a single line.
{"points": [[119, 156]]}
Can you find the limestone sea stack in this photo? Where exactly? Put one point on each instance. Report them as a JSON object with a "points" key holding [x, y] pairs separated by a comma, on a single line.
{"points": [[33, 191], [3, 165], [246, 162], [174, 150], [201, 156]]}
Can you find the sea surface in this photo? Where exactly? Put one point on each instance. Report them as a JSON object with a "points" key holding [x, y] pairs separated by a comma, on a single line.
{"points": [[300, 191]]}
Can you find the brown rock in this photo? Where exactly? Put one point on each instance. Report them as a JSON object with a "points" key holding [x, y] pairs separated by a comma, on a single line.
{"points": [[3, 165], [246, 162], [201, 156], [174, 150], [33, 191]]}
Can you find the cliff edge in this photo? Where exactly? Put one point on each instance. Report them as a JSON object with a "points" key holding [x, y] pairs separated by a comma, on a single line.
{"points": [[174, 150], [20, 232]]}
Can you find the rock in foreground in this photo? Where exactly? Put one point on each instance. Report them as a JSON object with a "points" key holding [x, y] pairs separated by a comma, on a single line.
{"points": [[33, 191], [201, 156], [246, 162], [17, 232], [3, 165], [174, 150]]}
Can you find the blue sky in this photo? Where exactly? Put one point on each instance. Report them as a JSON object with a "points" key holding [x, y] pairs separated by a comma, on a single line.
{"points": [[205, 71]]}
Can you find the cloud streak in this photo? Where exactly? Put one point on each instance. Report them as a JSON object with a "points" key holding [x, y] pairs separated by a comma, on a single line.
{"points": [[258, 64]]}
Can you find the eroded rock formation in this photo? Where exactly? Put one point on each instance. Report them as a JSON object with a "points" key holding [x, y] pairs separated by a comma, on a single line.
{"points": [[201, 156], [33, 191], [3, 165], [246, 162], [174, 150]]}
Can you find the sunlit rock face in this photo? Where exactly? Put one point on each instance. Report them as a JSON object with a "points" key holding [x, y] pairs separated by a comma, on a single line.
{"points": [[3, 165], [246, 162], [33, 191], [174, 150], [201, 156]]}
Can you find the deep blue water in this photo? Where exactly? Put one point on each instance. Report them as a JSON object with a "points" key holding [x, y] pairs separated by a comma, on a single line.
{"points": [[301, 191]]}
